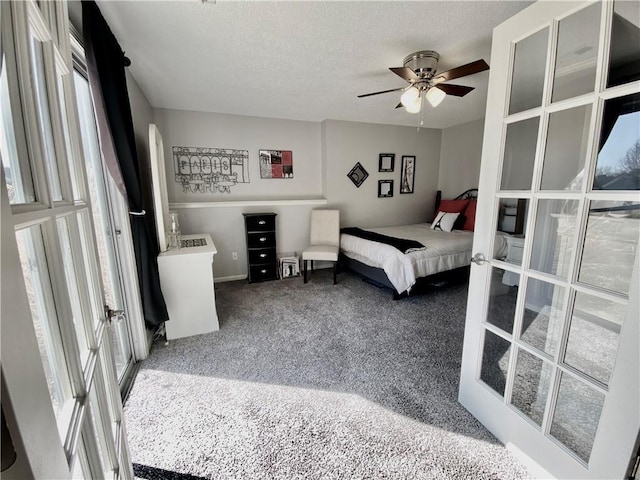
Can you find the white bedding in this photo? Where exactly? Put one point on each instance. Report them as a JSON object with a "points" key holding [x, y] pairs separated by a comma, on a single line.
{"points": [[444, 251]]}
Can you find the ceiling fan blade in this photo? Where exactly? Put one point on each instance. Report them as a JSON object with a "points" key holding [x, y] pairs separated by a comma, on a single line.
{"points": [[406, 73], [462, 71], [383, 91], [455, 90]]}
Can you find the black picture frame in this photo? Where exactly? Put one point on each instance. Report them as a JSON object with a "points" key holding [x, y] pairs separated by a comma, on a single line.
{"points": [[358, 174], [385, 188], [407, 174], [386, 162]]}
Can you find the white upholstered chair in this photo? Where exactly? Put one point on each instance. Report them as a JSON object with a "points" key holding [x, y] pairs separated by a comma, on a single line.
{"points": [[324, 241]]}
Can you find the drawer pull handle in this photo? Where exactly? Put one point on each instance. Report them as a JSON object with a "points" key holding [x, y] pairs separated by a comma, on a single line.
{"points": [[263, 239], [263, 271], [262, 255], [262, 222]]}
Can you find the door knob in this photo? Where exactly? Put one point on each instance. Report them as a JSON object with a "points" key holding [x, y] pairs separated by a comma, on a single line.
{"points": [[478, 259]]}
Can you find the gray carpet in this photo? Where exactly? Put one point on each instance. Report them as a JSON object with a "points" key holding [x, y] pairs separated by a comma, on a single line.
{"points": [[315, 381]]}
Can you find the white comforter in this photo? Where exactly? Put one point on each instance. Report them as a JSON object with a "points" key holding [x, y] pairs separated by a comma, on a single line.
{"points": [[444, 251]]}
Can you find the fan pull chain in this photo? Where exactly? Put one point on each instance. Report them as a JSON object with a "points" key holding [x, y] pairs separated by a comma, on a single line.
{"points": [[422, 104]]}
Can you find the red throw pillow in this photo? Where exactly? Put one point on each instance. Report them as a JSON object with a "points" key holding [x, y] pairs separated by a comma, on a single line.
{"points": [[470, 215], [453, 206]]}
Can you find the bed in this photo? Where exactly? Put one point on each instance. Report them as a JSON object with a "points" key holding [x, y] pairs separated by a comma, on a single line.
{"points": [[442, 251]]}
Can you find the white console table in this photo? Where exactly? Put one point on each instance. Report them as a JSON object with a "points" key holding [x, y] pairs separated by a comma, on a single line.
{"points": [[186, 278]]}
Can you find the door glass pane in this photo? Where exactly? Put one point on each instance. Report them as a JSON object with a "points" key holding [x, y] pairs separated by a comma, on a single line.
{"points": [[610, 245], [531, 385], [554, 236], [73, 171], [566, 149], [543, 315], [624, 61], [577, 53], [576, 417], [88, 253], [512, 217], [528, 72], [73, 287], [44, 118], [593, 335], [120, 347], [106, 369], [618, 164], [96, 419], [519, 154], [502, 299], [495, 361], [36, 278], [17, 172], [80, 467]]}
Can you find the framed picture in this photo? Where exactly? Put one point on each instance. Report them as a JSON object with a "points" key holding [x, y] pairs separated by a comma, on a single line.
{"points": [[385, 188], [386, 162], [358, 174], [276, 163], [407, 173]]}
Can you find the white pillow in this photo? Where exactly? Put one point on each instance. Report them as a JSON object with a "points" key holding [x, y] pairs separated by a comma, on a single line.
{"points": [[444, 221]]}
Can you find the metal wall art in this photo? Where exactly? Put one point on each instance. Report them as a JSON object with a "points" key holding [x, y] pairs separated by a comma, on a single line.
{"points": [[407, 173], [276, 163], [358, 174], [199, 170]]}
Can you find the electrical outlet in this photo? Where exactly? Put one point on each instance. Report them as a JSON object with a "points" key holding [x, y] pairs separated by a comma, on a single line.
{"points": [[234, 255]]}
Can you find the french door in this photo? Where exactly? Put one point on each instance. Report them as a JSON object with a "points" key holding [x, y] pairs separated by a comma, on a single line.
{"points": [[550, 360], [60, 389], [106, 232]]}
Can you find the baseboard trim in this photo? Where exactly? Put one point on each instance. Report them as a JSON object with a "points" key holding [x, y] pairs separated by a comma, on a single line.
{"points": [[231, 278]]}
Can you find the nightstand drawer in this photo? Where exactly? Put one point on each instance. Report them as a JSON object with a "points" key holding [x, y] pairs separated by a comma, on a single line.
{"points": [[261, 239], [261, 223], [263, 255], [263, 272]]}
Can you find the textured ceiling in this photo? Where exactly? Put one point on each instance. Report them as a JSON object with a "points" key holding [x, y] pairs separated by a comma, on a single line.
{"points": [[303, 60]]}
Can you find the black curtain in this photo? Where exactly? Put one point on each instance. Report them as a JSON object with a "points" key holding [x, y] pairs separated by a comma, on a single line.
{"points": [[105, 65]]}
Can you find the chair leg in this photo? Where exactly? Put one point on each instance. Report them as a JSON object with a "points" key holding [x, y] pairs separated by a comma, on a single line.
{"points": [[335, 273], [312, 265], [305, 270]]}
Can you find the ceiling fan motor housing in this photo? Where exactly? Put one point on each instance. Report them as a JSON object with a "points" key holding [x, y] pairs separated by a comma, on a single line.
{"points": [[423, 63]]}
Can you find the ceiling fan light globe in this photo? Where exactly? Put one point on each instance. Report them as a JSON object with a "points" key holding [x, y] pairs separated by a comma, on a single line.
{"points": [[435, 96], [415, 106], [409, 96]]}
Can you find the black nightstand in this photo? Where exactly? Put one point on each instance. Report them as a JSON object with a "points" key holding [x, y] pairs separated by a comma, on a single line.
{"points": [[261, 246]]}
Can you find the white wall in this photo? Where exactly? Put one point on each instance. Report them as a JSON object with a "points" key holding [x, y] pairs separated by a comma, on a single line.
{"points": [[345, 143], [460, 157]]}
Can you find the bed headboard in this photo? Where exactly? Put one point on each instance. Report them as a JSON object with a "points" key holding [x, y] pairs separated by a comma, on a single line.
{"points": [[466, 195]]}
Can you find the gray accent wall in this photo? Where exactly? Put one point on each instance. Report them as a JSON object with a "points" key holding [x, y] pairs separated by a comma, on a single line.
{"points": [[345, 143], [460, 157]]}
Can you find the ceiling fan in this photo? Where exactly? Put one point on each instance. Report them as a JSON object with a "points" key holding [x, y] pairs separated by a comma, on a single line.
{"points": [[425, 83]]}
